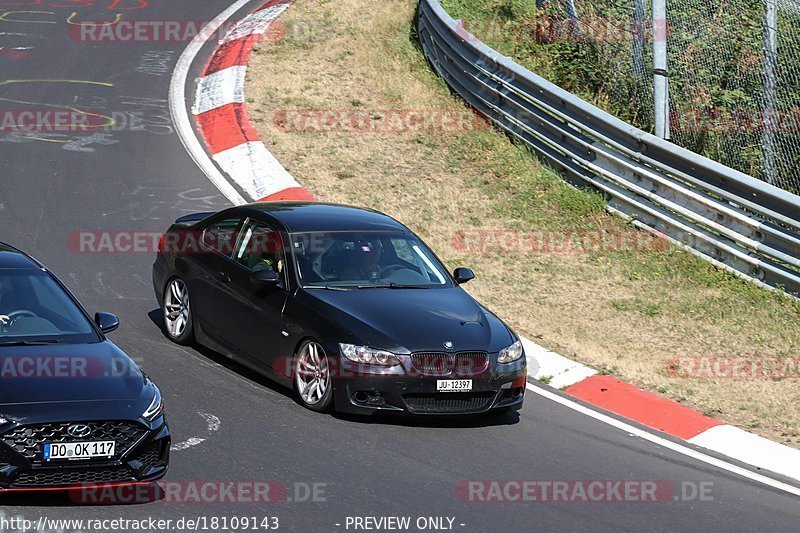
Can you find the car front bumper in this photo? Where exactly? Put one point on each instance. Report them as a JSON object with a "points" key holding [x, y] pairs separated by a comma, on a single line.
{"points": [[361, 390], [142, 455]]}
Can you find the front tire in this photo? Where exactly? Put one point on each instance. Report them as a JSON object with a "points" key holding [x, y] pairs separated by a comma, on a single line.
{"points": [[312, 377], [178, 312]]}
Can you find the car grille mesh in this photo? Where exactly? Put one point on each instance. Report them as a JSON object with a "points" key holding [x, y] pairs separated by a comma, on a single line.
{"points": [[29, 440], [457, 402], [151, 456], [43, 478], [445, 364]]}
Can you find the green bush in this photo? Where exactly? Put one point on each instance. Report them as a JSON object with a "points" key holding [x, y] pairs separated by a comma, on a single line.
{"points": [[715, 56]]}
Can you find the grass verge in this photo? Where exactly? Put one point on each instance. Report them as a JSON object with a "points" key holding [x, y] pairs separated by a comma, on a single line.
{"points": [[628, 312]]}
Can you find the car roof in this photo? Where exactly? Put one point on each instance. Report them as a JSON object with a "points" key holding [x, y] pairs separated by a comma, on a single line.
{"points": [[299, 217], [10, 257]]}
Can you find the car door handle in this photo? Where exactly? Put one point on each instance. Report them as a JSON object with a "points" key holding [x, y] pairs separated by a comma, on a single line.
{"points": [[223, 277]]}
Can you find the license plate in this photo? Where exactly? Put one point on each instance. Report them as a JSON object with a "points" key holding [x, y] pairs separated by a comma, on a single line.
{"points": [[79, 450], [454, 385]]}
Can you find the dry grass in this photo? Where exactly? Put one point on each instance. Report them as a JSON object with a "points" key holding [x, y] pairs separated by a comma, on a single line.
{"points": [[627, 313]]}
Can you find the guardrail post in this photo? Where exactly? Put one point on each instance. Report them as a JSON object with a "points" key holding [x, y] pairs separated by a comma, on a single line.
{"points": [[770, 88], [660, 79]]}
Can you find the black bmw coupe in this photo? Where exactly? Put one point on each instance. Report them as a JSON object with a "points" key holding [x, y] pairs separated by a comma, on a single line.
{"points": [[75, 411], [345, 305]]}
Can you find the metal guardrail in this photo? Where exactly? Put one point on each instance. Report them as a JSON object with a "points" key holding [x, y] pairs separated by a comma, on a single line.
{"points": [[731, 219]]}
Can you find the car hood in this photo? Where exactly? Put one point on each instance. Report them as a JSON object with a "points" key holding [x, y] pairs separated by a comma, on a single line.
{"points": [[412, 320], [94, 372]]}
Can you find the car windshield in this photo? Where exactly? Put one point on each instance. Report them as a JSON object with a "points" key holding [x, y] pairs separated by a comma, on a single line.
{"points": [[366, 260], [34, 308]]}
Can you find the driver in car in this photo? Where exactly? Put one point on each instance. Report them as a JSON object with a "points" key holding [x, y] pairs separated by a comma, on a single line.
{"points": [[367, 265]]}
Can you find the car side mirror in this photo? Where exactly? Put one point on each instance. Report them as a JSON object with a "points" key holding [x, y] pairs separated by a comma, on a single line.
{"points": [[107, 322], [264, 276], [463, 275]]}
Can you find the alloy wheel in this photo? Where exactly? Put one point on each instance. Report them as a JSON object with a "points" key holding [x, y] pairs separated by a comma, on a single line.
{"points": [[312, 373], [176, 307]]}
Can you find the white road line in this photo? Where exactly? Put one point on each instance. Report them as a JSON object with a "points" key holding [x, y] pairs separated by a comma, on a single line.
{"points": [[751, 449], [212, 421], [180, 115], [188, 443], [674, 446], [212, 424]]}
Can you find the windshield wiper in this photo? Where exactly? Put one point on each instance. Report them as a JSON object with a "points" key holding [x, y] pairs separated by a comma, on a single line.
{"points": [[37, 342], [328, 287], [393, 285]]}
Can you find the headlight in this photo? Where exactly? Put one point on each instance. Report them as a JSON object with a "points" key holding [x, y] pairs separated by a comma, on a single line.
{"points": [[3, 421], [510, 354], [156, 406], [368, 356]]}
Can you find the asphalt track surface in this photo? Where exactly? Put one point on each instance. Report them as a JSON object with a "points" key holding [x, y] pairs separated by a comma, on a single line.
{"points": [[142, 180]]}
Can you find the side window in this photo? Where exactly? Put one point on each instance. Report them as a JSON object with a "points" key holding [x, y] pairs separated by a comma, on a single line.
{"points": [[261, 248], [221, 235]]}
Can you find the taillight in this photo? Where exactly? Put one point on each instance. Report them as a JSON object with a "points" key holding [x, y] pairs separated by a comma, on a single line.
{"points": [[161, 243]]}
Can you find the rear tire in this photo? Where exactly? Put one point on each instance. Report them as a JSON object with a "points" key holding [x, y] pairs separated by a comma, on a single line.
{"points": [[177, 312], [312, 377]]}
